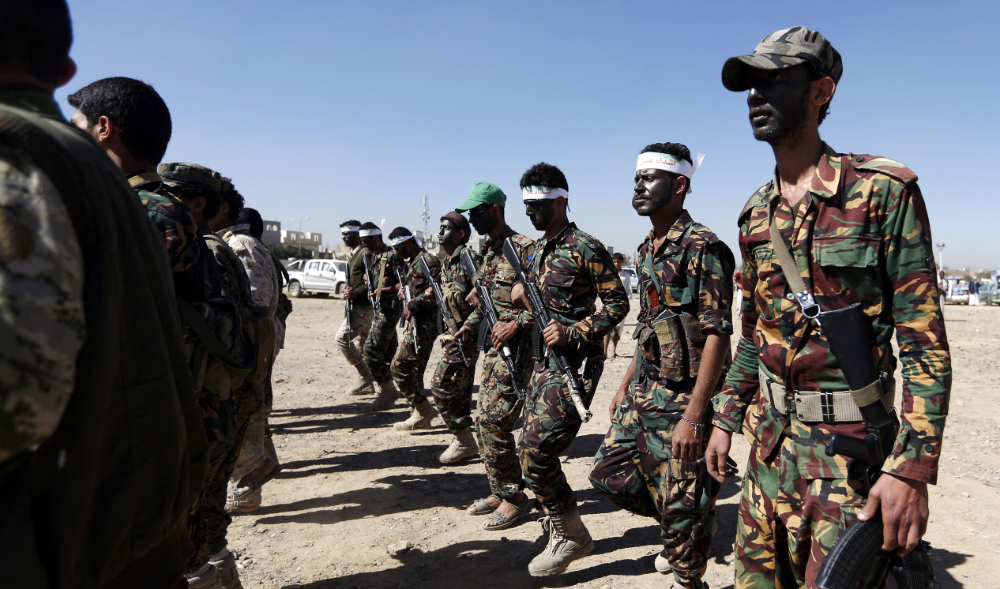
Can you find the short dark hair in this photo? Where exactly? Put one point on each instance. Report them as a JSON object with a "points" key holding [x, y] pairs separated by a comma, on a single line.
{"points": [[678, 150], [136, 109], [812, 74], [252, 218], [213, 200], [369, 225], [35, 35], [233, 197], [351, 223], [399, 232], [543, 174], [618, 256]]}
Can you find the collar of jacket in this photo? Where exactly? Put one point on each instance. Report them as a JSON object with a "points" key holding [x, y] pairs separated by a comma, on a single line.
{"points": [[825, 182], [30, 98]]}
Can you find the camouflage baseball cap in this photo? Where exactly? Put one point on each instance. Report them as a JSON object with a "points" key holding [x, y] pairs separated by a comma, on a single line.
{"points": [[483, 193], [781, 49], [192, 174]]}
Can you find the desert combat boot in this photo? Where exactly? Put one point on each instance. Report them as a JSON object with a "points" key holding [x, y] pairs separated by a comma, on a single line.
{"points": [[225, 563], [206, 578], [568, 541], [387, 395], [463, 446], [420, 418], [365, 384]]}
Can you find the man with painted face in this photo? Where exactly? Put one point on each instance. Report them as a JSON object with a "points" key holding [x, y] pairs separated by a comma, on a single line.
{"points": [[420, 313], [571, 269], [498, 405], [356, 291], [451, 387], [382, 340], [857, 229], [652, 459]]}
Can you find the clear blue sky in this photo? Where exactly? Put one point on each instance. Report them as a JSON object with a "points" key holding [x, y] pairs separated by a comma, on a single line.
{"points": [[339, 110]]}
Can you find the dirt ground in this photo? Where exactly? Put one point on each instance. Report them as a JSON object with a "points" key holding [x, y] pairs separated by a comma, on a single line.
{"points": [[351, 485]]}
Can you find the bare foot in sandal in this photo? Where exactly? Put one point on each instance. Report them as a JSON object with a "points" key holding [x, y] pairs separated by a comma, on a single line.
{"points": [[484, 506], [509, 512], [252, 480]]}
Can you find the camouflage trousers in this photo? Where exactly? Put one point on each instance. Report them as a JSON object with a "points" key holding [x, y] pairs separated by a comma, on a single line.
{"points": [[411, 359], [498, 410], [361, 325], [550, 425], [253, 454], [381, 344], [634, 468], [793, 507], [210, 520], [451, 387]]}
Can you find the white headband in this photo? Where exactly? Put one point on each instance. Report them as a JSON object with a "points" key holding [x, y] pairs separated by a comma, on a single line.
{"points": [[542, 192], [370, 232], [350, 228], [398, 240], [669, 163]]}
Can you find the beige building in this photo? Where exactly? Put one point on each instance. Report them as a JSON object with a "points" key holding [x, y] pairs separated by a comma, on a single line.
{"points": [[312, 241]]}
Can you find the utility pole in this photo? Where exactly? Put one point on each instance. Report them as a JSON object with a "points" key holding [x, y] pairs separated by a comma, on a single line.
{"points": [[300, 232], [940, 256], [426, 216]]}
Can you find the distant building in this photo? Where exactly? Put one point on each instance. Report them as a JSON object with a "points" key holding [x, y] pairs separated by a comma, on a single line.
{"points": [[304, 239], [272, 233]]}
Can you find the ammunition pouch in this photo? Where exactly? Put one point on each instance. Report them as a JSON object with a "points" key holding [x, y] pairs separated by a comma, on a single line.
{"points": [[827, 406]]}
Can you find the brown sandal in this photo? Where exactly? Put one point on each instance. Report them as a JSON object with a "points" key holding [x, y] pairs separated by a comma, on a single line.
{"points": [[482, 507]]}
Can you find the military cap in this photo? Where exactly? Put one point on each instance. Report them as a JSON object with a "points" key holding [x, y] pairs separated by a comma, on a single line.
{"points": [[190, 174], [483, 193], [781, 49]]}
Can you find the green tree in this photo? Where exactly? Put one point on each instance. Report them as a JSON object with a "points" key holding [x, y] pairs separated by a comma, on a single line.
{"points": [[284, 252]]}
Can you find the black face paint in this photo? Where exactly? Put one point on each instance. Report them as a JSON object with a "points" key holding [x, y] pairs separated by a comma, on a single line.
{"points": [[483, 219], [654, 189], [448, 234], [540, 212], [779, 103]]}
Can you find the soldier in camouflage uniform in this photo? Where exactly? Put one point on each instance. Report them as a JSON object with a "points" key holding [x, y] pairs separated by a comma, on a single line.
{"points": [[858, 227], [421, 316], [451, 387], [130, 121], [652, 459], [225, 410], [498, 406], [360, 320], [380, 347], [571, 270]]}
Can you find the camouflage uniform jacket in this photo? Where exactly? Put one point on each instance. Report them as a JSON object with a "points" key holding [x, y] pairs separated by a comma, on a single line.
{"points": [[860, 235], [392, 262], [356, 276], [694, 270], [456, 284], [422, 303], [498, 276], [42, 324], [572, 270], [261, 273], [180, 232], [235, 284]]}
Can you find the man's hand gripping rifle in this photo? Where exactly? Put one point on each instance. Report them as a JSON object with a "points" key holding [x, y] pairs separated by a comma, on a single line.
{"points": [[443, 309], [542, 319], [490, 317], [849, 332], [407, 297]]}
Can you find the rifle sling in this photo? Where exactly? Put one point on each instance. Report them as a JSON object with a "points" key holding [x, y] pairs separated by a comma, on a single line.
{"points": [[212, 343]]}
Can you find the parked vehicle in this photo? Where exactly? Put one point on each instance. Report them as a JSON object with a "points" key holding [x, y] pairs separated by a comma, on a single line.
{"points": [[633, 279], [958, 291], [316, 276], [989, 294]]}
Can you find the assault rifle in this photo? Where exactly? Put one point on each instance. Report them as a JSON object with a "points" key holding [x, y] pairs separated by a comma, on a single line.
{"points": [[490, 317], [443, 310], [541, 320], [407, 297], [849, 332], [370, 280]]}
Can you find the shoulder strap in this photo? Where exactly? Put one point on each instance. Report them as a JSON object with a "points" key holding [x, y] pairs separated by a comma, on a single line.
{"points": [[283, 278], [805, 299], [212, 343]]}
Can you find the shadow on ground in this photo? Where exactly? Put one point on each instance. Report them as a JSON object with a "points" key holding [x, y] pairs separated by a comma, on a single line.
{"points": [[402, 493]]}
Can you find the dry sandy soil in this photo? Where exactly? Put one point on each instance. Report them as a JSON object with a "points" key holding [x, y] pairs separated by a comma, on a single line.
{"points": [[351, 485]]}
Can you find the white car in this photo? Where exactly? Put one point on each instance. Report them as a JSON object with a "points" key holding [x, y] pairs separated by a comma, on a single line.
{"points": [[633, 280], [316, 276]]}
